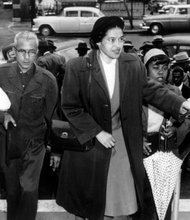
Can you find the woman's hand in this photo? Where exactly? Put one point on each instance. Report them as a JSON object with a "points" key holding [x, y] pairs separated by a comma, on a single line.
{"points": [[168, 130], [106, 139], [146, 147]]}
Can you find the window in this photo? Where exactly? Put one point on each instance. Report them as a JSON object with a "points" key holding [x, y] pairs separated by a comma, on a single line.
{"points": [[86, 14], [72, 13], [182, 11]]}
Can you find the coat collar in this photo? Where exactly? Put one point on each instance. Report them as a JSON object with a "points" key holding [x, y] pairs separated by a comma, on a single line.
{"points": [[14, 78], [124, 62]]}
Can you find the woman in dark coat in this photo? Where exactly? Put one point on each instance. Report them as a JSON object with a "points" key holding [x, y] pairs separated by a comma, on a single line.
{"points": [[102, 99]]}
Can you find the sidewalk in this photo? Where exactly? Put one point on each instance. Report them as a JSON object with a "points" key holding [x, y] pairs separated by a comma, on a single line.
{"points": [[49, 210]]}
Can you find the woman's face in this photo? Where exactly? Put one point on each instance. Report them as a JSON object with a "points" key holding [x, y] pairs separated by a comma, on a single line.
{"points": [[158, 72], [112, 44]]}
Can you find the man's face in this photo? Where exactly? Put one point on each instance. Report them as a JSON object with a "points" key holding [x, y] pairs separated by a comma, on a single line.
{"points": [[112, 44], [11, 54], [26, 51], [177, 78]]}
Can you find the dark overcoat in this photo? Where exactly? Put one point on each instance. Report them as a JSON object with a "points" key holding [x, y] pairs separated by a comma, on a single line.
{"points": [[86, 104]]}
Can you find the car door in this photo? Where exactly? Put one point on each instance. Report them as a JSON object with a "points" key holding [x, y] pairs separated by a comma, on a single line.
{"points": [[68, 23], [180, 21], [87, 20]]}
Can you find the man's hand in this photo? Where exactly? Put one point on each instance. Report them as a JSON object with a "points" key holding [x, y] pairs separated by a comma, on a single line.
{"points": [[55, 161], [106, 139], [8, 118]]}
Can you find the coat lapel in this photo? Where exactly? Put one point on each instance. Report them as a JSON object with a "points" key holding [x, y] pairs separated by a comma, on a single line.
{"points": [[97, 74], [125, 73], [14, 77]]}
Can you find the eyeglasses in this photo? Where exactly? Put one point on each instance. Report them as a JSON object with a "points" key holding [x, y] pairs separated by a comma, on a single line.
{"points": [[22, 52]]}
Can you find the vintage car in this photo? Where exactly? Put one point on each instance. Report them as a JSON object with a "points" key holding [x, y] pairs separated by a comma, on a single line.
{"points": [[70, 20], [177, 18], [155, 5], [7, 3], [176, 43]]}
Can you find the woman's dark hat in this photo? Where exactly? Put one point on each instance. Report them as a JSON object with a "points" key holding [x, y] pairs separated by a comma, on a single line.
{"points": [[102, 25], [82, 46]]}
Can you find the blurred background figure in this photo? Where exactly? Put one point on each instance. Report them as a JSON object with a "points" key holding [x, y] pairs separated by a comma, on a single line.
{"points": [[158, 43], [177, 79], [82, 49], [183, 60], [146, 46], [52, 47], [51, 61], [8, 53], [128, 47]]}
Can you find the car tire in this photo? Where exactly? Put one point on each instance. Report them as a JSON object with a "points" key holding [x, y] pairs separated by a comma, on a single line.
{"points": [[46, 30], [156, 29]]}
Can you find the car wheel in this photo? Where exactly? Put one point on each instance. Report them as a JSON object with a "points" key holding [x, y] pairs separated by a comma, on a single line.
{"points": [[156, 29], [46, 30]]}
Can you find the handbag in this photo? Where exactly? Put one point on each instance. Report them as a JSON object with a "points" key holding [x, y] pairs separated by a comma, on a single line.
{"points": [[61, 135], [62, 138]]}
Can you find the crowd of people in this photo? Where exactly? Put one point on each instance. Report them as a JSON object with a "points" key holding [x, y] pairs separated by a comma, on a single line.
{"points": [[129, 103]]}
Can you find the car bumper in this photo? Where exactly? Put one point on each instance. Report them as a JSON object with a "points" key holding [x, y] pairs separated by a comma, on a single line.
{"points": [[35, 29], [144, 26]]}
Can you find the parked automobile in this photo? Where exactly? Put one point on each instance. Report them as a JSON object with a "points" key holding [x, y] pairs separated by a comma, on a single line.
{"points": [[176, 43], [176, 19], [155, 5], [7, 3], [70, 20]]}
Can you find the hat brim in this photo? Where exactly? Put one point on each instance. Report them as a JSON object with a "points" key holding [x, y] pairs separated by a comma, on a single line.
{"points": [[82, 48], [181, 61]]}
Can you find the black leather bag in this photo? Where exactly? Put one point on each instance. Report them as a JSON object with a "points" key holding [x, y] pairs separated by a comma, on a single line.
{"points": [[62, 138], [61, 135]]}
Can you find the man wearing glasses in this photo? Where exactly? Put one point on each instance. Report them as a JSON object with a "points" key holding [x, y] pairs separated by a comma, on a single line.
{"points": [[23, 129]]}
